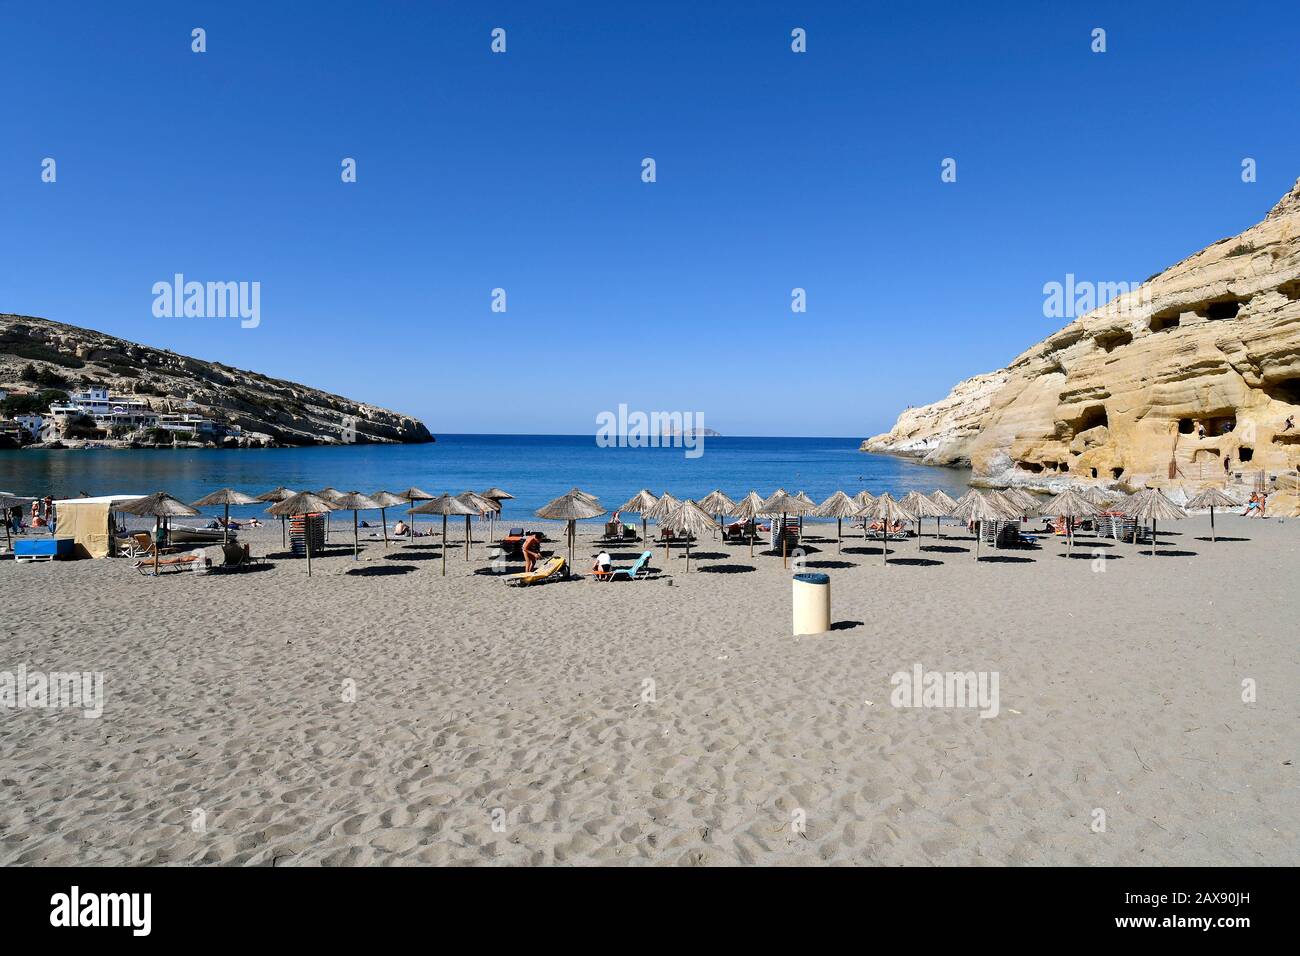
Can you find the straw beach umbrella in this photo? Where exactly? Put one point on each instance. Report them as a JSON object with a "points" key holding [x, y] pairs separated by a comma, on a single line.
{"points": [[355, 501], [443, 505], [1098, 496], [944, 501], [331, 495], [639, 504], [573, 507], [747, 510], [886, 509], [386, 500], [271, 497], [784, 505], [158, 506], [665, 506], [411, 496], [1070, 505], [1212, 498], [227, 497], [495, 495], [1024, 500], [304, 503], [864, 499], [1152, 505], [980, 507], [716, 503], [838, 506], [922, 507], [691, 518], [482, 506]]}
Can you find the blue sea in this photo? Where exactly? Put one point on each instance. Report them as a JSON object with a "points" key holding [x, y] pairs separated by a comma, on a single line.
{"points": [[533, 468]]}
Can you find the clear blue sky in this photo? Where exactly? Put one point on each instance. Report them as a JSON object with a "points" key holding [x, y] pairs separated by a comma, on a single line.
{"points": [[522, 171]]}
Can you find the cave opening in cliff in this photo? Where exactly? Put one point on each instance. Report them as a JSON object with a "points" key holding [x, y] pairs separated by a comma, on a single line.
{"points": [[1186, 426], [1220, 310], [1110, 341], [1164, 321], [1094, 472], [1032, 467], [1286, 390], [1092, 417], [1245, 454], [1117, 472], [1290, 289]]}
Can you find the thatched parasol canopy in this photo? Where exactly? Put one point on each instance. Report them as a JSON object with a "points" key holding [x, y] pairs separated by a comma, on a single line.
{"points": [[303, 503], [886, 509], [748, 507], [444, 505], [1098, 496], [573, 507], [805, 499], [1212, 498], [922, 506], [158, 505], [496, 494], [386, 500], [716, 503], [863, 498], [639, 503], [355, 501], [1029, 504], [691, 518], [943, 500], [664, 506], [838, 505], [329, 494], [225, 497], [1152, 505], [781, 503], [277, 494], [1070, 505], [979, 506]]}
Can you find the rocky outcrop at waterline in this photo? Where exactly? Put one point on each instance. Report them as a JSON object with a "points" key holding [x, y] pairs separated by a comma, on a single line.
{"points": [[1192, 379], [39, 355]]}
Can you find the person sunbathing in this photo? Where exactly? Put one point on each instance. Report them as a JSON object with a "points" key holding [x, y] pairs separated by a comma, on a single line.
{"points": [[532, 549], [400, 528]]}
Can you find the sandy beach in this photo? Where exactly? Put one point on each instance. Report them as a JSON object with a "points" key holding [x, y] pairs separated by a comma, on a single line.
{"points": [[495, 725]]}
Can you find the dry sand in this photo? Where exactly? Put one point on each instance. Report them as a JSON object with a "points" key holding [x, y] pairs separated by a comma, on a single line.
{"points": [[1119, 689]]}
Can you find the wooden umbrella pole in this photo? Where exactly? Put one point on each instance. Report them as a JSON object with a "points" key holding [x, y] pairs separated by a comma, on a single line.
{"points": [[444, 545], [383, 519], [1153, 537], [1211, 524], [467, 537], [839, 534], [157, 527], [225, 529], [356, 534], [306, 527], [784, 562], [284, 532]]}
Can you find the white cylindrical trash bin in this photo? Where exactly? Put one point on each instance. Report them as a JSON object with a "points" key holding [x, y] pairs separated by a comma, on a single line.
{"points": [[812, 603]]}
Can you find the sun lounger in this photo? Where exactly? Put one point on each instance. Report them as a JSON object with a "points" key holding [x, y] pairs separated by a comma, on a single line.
{"points": [[547, 569], [180, 562], [638, 569]]}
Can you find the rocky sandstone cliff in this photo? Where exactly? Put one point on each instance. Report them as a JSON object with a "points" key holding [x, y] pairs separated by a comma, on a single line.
{"points": [[1187, 381], [268, 410]]}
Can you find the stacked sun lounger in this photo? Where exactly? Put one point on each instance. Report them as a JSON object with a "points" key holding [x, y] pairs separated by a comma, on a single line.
{"points": [[302, 525]]}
